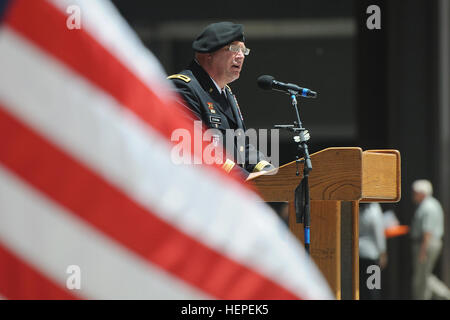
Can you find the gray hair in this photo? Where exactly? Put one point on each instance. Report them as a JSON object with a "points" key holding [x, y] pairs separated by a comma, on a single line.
{"points": [[423, 186]]}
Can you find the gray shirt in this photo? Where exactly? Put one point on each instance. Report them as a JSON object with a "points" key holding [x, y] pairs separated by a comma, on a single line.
{"points": [[372, 241], [429, 217]]}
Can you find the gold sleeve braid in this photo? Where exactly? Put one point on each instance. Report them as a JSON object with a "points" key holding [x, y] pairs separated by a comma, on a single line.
{"points": [[261, 165], [228, 165]]}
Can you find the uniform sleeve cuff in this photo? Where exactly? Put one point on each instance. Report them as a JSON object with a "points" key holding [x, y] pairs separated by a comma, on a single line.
{"points": [[228, 165], [261, 165]]}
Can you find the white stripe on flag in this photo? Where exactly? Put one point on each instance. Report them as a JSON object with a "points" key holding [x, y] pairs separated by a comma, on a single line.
{"points": [[124, 150], [47, 236]]}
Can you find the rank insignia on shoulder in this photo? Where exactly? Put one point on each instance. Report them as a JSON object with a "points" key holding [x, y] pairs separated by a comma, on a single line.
{"points": [[180, 76]]}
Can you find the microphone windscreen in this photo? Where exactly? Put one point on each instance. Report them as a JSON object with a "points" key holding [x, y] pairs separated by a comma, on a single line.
{"points": [[265, 82]]}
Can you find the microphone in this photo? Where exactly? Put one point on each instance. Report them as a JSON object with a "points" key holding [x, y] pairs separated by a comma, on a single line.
{"points": [[267, 82]]}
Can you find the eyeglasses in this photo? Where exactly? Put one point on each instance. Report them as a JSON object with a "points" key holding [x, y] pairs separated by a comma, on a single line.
{"points": [[236, 48]]}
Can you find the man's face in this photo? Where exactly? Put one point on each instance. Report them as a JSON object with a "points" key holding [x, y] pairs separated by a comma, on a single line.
{"points": [[227, 65]]}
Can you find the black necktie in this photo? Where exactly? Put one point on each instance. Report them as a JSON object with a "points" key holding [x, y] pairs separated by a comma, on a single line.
{"points": [[224, 95], [226, 105]]}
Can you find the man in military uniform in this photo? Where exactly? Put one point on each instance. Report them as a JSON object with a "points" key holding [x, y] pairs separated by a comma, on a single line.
{"points": [[219, 56]]}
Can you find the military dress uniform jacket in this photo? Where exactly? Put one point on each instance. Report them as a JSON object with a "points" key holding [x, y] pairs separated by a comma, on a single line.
{"points": [[217, 111]]}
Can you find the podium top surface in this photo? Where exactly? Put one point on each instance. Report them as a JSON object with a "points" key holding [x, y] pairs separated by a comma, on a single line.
{"points": [[346, 174]]}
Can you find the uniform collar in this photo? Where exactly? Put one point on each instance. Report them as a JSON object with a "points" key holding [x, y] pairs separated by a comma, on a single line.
{"points": [[217, 86], [205, 79]]}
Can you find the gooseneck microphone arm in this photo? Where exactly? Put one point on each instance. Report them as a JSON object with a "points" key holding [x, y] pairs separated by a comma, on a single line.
{"points": [[304, 146], [302, 198]]}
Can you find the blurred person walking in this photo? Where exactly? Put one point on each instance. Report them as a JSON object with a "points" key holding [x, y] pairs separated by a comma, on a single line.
{"points": [[427, 229]]}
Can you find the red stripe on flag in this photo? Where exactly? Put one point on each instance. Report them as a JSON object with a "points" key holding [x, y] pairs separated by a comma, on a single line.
{"points": [[97, 202], [19, 280], [45, 25]]}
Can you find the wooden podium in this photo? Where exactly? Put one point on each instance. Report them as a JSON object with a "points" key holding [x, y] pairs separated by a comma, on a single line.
{"points": [[340, 179]]}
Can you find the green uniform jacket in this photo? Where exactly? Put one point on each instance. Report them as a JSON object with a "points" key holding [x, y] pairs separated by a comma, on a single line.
{"points": [[201, 96]]}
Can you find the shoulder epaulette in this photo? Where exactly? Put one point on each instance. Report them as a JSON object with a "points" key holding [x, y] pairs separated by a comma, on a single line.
{"points": [[179, 76]]}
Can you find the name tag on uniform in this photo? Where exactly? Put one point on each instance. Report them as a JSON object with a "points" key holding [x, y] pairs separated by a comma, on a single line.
{"points": [[216, 120]]}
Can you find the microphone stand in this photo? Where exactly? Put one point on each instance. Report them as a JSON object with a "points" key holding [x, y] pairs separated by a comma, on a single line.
{"points": [[302, 199]]}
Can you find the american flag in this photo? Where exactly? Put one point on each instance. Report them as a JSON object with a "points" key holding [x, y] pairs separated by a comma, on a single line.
{"points": [[88, 192]]}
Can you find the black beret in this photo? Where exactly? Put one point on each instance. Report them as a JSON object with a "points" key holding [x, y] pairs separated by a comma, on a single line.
{"points": [[217, 35]]}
